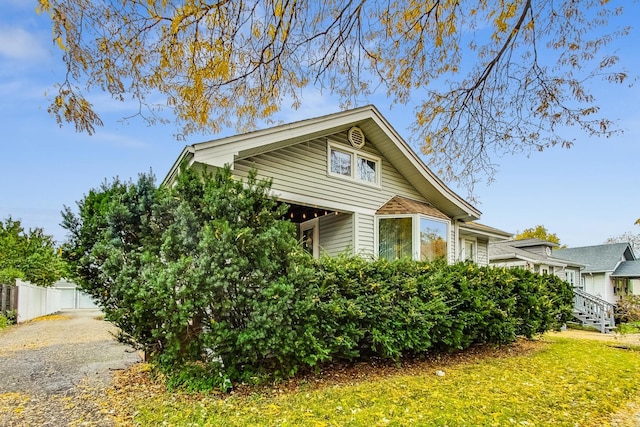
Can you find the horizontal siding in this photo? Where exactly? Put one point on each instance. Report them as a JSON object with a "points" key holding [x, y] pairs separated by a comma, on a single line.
{"points": [[453, 244], [302, 169], [364, 228], [336, 234], [482, 257]]}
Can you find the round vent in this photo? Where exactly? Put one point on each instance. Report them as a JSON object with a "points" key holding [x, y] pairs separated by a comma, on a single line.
{"points": [[356, 137]]}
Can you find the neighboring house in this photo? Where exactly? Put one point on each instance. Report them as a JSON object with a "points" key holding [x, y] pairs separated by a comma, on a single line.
{"points": [[599, 274], [352, 183], [534, 255], [610, 269]]}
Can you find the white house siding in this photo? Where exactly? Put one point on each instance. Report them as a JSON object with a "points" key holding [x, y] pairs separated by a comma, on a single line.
{"points": [[336, 233], [453, 244], [482, 256], [597, 284], [365, 239], [299, 172], [608, 289], [302, 169]]}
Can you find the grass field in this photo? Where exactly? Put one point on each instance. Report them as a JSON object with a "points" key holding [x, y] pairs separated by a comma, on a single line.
{"points": [[551, 381]]}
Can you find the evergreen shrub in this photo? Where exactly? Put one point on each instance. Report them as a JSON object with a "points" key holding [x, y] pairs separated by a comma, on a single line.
{"points": [[210, 281]]}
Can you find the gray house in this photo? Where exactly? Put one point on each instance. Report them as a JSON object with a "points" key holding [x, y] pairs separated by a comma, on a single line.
{"points": [[611, 270], [352, 183], [535, 255], [599, 274]]}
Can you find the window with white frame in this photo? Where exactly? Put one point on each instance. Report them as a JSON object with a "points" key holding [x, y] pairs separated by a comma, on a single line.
{"points": [[468, 250], [433, 239], [347, 163], [570, 277], [395, 238], [412, 236], [340, 162]]}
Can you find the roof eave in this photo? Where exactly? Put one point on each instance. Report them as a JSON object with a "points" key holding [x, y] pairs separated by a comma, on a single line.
{"points": [[228, 148], [186, 154], [497, 235], [467, 212]]}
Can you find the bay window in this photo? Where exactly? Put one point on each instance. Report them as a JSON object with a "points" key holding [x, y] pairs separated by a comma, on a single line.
{"points": [[412, 236], [395, 237]]}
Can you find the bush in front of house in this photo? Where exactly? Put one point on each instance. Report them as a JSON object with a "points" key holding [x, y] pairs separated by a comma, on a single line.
{"points": [[181, 269], [406, 308], [210, 282], [348, 309], [628, 309]]}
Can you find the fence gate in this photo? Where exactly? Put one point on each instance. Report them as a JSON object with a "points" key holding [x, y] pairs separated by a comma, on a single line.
{"points": [[8, 298]]}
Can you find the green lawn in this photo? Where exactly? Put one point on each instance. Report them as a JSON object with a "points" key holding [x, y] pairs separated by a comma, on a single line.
{"points": [[559, 382]]}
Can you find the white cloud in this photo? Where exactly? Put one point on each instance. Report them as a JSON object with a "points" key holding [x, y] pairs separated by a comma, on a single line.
{"points": [[19, 44]]}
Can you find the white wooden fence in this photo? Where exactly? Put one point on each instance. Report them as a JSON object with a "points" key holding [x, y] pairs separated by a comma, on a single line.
{"points": [[35, 301]]}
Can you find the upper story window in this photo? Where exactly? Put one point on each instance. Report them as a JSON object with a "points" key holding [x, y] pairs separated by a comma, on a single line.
{"points": [[347, 163], [340, 162]]}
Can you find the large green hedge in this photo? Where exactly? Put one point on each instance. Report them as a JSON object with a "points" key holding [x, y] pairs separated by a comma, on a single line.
{"points": [[206, 276], [348, 309]]}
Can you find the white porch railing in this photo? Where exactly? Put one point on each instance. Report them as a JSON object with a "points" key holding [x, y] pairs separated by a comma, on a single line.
{"points": [[601, 312]]}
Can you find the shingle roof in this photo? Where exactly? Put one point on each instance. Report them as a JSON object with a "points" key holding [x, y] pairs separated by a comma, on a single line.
{"points": [[402, 205], [500, 250], [507, 249], [524, 243], [598, 258], [472, 225], [628, 269]]}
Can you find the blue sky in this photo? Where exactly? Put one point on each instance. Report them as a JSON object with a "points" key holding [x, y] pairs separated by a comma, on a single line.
{"points": [[584, 195]]}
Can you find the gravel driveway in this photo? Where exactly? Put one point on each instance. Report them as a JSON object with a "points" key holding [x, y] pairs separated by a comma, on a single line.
{"points": [[54, 370]]}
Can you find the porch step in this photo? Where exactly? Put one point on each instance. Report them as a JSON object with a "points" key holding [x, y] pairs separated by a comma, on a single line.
{"points": [[585, 319]]}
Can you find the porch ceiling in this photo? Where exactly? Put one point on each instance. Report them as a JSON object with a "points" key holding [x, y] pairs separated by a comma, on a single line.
{"points": [[300, 213]]}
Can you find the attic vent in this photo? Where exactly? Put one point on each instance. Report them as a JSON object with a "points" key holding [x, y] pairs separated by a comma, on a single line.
{"points": [[356, 137]]}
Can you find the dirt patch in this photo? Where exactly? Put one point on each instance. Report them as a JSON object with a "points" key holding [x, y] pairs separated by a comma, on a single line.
{"points": [[55, 370]]}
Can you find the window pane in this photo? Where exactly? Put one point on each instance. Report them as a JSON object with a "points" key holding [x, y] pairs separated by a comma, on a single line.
{"points": [[395, 238], [469, 250], [366, 170], [433, 239], [340, 162]]}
